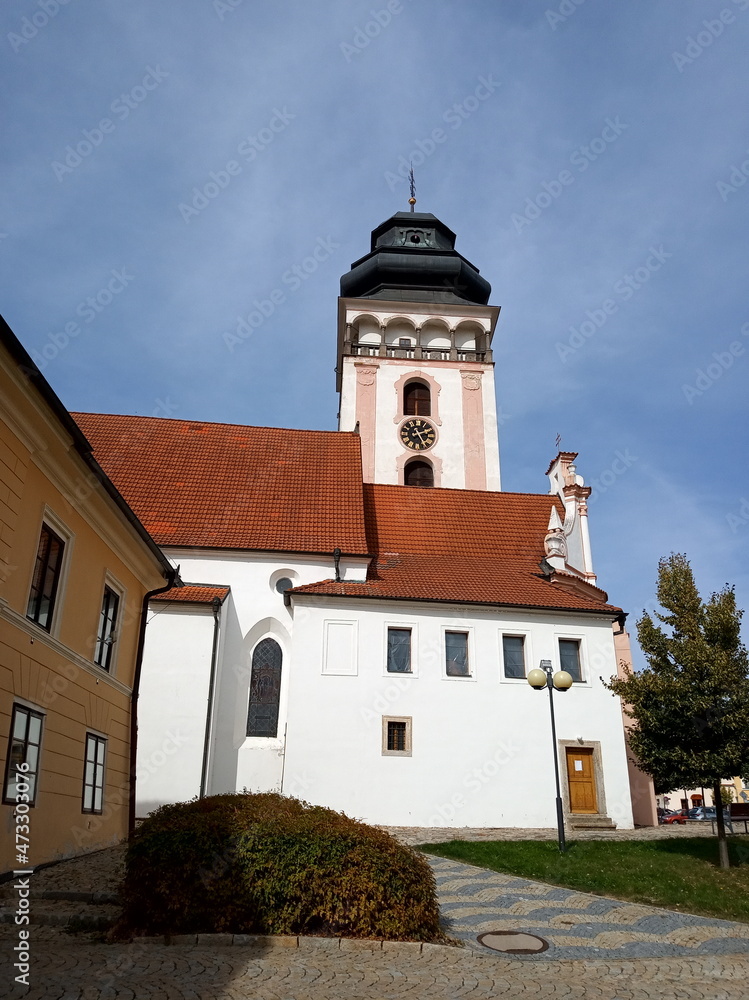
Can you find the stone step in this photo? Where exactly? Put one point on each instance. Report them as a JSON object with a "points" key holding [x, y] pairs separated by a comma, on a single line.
{"points": [[73, 915], [582, 822], [7, 892]]}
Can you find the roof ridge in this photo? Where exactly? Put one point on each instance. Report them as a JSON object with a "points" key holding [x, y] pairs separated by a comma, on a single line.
{"points": [[211, 423], [462, 491]]}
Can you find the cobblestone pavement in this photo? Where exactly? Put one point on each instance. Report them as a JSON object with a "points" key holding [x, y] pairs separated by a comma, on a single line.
{"points": [[78, 967], [65, 968], [576, 925]]}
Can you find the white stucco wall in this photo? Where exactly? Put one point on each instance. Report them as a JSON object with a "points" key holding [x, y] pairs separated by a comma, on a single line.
{"points": [[482, 752], [172, 704], [254, 610]]}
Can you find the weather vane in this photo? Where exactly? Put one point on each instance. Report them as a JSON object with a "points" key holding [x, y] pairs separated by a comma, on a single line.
{"points": [[559, 441], [412, 182]]}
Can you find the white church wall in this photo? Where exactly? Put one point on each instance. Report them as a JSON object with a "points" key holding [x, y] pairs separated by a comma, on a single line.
{"points": [[172, 704], [481, 750], [253, 611]]}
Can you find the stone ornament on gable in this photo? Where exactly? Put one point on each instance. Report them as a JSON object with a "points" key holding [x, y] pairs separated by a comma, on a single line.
{"points": [[555, 544]]}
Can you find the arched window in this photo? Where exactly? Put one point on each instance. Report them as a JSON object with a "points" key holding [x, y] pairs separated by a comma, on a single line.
{"points": [[265, 689], [417, 400], [419, 473]]}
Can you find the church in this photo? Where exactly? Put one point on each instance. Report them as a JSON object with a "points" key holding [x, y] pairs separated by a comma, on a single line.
{"points": [[361, 607]]}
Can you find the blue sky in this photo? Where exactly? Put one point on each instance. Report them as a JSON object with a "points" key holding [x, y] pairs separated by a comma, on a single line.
{"points": [[592, 158]]}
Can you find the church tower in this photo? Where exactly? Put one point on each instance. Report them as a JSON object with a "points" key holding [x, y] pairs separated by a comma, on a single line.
{"points": [[415, 370]]}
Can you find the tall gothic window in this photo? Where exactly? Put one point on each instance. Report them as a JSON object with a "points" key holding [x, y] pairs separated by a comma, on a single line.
{"points": [[265, 689], [418, 473], [417, 400]]}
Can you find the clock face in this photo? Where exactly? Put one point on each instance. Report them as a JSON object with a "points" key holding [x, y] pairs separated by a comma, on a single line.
{"points": [[418, 434]]}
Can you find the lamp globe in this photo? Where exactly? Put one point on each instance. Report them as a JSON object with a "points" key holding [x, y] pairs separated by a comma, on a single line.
{"points": [[537, 678], [562, 680]]}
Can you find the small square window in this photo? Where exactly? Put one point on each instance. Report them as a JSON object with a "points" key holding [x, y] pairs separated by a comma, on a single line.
{"points": [[404, 342], [396, 736], [46, 578], [23, 748], [456, 654], [93, 774], [569, 657], [399, 651], [513, 654], [107, 628]]}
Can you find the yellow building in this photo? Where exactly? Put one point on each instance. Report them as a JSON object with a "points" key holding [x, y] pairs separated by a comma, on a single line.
{"points": [[76, 567]]}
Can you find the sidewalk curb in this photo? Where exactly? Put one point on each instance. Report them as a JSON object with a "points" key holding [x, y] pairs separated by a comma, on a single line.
{"points": [[281, 941]]}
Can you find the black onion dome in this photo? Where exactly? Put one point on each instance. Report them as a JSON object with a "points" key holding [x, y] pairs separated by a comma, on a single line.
{"points": [[413, 259]]}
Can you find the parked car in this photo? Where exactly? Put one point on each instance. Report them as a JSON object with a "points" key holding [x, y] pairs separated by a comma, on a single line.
{"points": [[662, 813], [677, 817], [702, 813], [707, 813]]}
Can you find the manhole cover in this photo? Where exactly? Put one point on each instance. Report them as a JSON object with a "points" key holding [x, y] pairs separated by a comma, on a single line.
{"points": [[513, 942]]}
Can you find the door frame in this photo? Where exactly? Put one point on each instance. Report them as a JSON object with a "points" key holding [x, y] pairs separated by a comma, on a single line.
{"points": [[595, 746]]}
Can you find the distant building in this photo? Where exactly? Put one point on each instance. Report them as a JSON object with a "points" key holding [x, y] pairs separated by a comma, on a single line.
{"points": [[362, 606], [75, 568]]}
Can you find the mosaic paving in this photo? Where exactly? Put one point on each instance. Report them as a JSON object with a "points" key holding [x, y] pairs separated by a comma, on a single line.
{"points": [[576, 925]]}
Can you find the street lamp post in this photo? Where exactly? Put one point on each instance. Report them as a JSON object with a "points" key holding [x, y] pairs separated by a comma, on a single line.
{"points": [[540, 678]]}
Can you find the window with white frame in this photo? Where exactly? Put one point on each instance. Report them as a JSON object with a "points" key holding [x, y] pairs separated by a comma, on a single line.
{"points": [[569, 658], [456, 654], [93, 773], [513, 655], [396, 736], [107, 633], [399, 651], [24, 747], [46, 578]]}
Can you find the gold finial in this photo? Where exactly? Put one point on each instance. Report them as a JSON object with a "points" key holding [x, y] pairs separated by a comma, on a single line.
{"points": [[412, 182]]}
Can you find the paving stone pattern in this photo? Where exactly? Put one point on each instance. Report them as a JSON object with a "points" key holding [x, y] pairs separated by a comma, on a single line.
{"points": [[79, 967], [576, 925]]}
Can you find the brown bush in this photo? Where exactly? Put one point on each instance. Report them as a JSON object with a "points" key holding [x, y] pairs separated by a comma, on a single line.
{"points": [[269, 864]]}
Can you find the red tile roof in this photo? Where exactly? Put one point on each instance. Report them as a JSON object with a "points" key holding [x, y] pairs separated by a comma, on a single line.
{"points": [[264, 488], [229, 486], [194, 593], [461, 546]]}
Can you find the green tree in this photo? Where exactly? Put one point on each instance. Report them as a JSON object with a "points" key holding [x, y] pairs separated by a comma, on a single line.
{"points": [[690, 705]]}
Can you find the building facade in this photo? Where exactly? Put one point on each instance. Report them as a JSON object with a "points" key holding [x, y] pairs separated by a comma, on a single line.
{"points": [[362, 607], [75, 567]]}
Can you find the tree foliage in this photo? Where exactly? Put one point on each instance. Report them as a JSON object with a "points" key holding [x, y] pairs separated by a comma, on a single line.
{"points": [[690, 705]]}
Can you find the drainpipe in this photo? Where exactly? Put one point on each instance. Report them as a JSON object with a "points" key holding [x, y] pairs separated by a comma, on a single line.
{"points": [[173, 580], [211, 686]]}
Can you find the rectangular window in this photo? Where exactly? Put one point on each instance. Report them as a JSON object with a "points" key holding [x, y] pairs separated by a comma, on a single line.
{"points": [[399, 650], [513, 654], [569, 657], [107, 624], [23, 748], [396, 736], [93, 774], [456, 654], [46, 578]]}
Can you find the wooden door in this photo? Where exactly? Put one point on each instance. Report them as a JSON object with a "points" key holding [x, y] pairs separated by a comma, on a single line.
{"points": [[581, 780]]}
